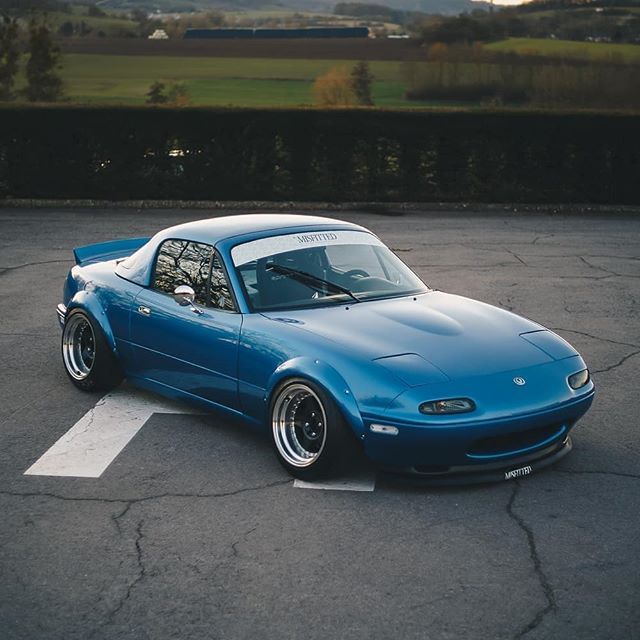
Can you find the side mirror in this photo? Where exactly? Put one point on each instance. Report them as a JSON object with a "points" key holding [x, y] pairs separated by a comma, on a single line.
{"points": [[184, 295]]}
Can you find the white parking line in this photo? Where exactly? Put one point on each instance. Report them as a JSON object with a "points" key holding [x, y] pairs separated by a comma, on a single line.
{"points": [[93, 443]]}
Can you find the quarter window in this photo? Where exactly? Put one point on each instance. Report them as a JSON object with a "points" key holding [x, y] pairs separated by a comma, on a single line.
{"points": [[181, 262]]}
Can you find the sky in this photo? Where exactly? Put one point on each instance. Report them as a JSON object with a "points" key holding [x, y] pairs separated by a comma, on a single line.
{"points": [[508, 1]]}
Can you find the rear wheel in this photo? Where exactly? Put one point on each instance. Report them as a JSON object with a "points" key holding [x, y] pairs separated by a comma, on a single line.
{"points": [[87, 358], [310, 436]]}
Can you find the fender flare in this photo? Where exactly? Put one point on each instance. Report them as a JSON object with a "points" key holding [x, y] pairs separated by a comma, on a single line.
{"points": [[89, 302], [324, 375]]}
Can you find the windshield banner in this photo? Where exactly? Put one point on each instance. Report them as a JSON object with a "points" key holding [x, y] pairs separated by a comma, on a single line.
{"points": [[265, 247]]}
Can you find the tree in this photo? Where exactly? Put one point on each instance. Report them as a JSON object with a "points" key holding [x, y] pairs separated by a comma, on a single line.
{"points": [[156, 94], [43, 82], [95, 11], [9, 56], [66, 29], [178, 95], [333, 89], [361, 79]]}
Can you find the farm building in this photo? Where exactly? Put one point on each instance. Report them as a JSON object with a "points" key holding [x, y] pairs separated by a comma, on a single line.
{"points": [[311, 32]]}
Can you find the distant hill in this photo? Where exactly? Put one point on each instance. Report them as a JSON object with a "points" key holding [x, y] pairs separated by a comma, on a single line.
{"points": [[446, 7]]}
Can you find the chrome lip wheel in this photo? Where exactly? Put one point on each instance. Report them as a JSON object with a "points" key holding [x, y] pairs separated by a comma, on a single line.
{"points": [[299, 423], [78, 347]]}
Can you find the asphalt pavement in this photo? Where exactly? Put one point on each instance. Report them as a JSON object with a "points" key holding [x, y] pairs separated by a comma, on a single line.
{"points": [[195, 532]]}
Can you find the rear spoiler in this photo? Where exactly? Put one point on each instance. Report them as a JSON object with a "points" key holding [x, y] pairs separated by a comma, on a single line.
{"points": [[103, 251]]}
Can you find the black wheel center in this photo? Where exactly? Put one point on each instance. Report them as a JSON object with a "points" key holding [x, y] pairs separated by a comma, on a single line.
{"points": [[86, 345], [309, 425]]}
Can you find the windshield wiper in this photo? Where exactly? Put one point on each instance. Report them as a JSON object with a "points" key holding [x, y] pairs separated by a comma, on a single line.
{"points": [[302, 276]]}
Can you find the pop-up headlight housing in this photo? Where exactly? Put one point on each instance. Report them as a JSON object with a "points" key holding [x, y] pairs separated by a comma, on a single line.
{"points": [[451, 405], [578, 380]]}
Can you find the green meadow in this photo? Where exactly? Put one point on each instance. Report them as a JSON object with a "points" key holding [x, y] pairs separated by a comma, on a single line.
{"points": [[568, 49], [114, 79], [109, 24], [253, 82]]}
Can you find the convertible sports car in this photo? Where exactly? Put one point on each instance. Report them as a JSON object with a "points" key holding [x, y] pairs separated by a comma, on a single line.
{"points": [[313, 328]]}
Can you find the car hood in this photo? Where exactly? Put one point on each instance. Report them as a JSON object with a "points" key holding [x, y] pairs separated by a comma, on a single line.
{"points": [[431, 337]]}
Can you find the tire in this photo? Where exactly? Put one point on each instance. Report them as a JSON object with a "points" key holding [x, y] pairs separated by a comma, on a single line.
{"points": [[310, 437], [87, 358]]}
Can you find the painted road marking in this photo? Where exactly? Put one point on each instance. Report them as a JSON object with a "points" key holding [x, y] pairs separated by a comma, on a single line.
{"points": [[363, 481], [94, 442]]}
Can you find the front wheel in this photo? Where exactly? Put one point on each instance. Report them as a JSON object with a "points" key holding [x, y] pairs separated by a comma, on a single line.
{"points": [[87, 358], [310, 436]]}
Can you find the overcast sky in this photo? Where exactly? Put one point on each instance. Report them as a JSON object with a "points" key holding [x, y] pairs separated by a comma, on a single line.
{"points": [[508, 1]]}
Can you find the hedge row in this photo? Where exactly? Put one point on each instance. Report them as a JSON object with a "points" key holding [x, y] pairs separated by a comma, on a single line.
{"points": [[314, 155]]}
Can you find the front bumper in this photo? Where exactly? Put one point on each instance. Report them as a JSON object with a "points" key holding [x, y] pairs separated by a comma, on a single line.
{"points": [[61, 312], [492, 472], [469, 450]]}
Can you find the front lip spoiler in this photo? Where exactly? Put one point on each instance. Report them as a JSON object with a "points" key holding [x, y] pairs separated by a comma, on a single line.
{"points": [[61, 312], [481, 473]]}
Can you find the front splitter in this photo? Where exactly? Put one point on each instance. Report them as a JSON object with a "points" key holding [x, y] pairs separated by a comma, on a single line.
{"points": [[494, 472]]}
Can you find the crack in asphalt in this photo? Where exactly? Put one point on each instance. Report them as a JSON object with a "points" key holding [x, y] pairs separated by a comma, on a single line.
{"points": [[132, 501], [116, 518], [610, 271], [505, 305], [234, 545], [29, 335], [634, 476], [141, 573], [537, 566], [92, 416], [617, 364], [516, 256], [546, 235], [463, 266], [591, 335], [4, 270], [583, 277]]}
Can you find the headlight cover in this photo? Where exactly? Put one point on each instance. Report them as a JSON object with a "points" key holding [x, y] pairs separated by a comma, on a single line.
{"points": [[578, 380], [452, 405]]}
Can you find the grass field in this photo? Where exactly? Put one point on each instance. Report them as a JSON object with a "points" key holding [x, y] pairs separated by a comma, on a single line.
{"points": [[269, 80], [108, 24], [214, 81], [568, 48]]}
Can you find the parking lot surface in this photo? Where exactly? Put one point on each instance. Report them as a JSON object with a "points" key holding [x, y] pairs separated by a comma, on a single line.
{"points": [[195, 531]]}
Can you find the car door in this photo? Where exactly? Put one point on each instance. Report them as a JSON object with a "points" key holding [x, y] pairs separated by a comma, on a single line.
{"points": [[192, 348]]}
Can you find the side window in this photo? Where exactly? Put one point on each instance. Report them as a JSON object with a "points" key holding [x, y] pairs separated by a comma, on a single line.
{"points": [[181, 262], [221, 297]]}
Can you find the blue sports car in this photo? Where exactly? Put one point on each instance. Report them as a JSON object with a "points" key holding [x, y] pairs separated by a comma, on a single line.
{"points": [[314, 329]]}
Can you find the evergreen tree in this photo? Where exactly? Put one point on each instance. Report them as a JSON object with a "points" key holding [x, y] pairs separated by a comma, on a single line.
{"points": [[44, 83], [156, 93], [9, 56], [361, 79]]}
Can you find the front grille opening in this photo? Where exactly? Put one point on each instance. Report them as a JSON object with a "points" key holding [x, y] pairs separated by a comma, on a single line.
{"points": [[431, 468], [506, 442]]}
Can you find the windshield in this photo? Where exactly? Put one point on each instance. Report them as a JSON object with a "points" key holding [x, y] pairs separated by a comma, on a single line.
{"points": [[319, 268]]}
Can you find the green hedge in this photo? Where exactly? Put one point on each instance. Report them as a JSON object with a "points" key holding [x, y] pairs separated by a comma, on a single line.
{"points": [[319, 155]]}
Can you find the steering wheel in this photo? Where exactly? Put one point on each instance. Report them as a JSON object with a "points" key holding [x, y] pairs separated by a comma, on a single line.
{"points": [[360, 273]]}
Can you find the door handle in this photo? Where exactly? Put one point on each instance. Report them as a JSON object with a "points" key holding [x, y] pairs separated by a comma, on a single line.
{"points": [[145, 311]]}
